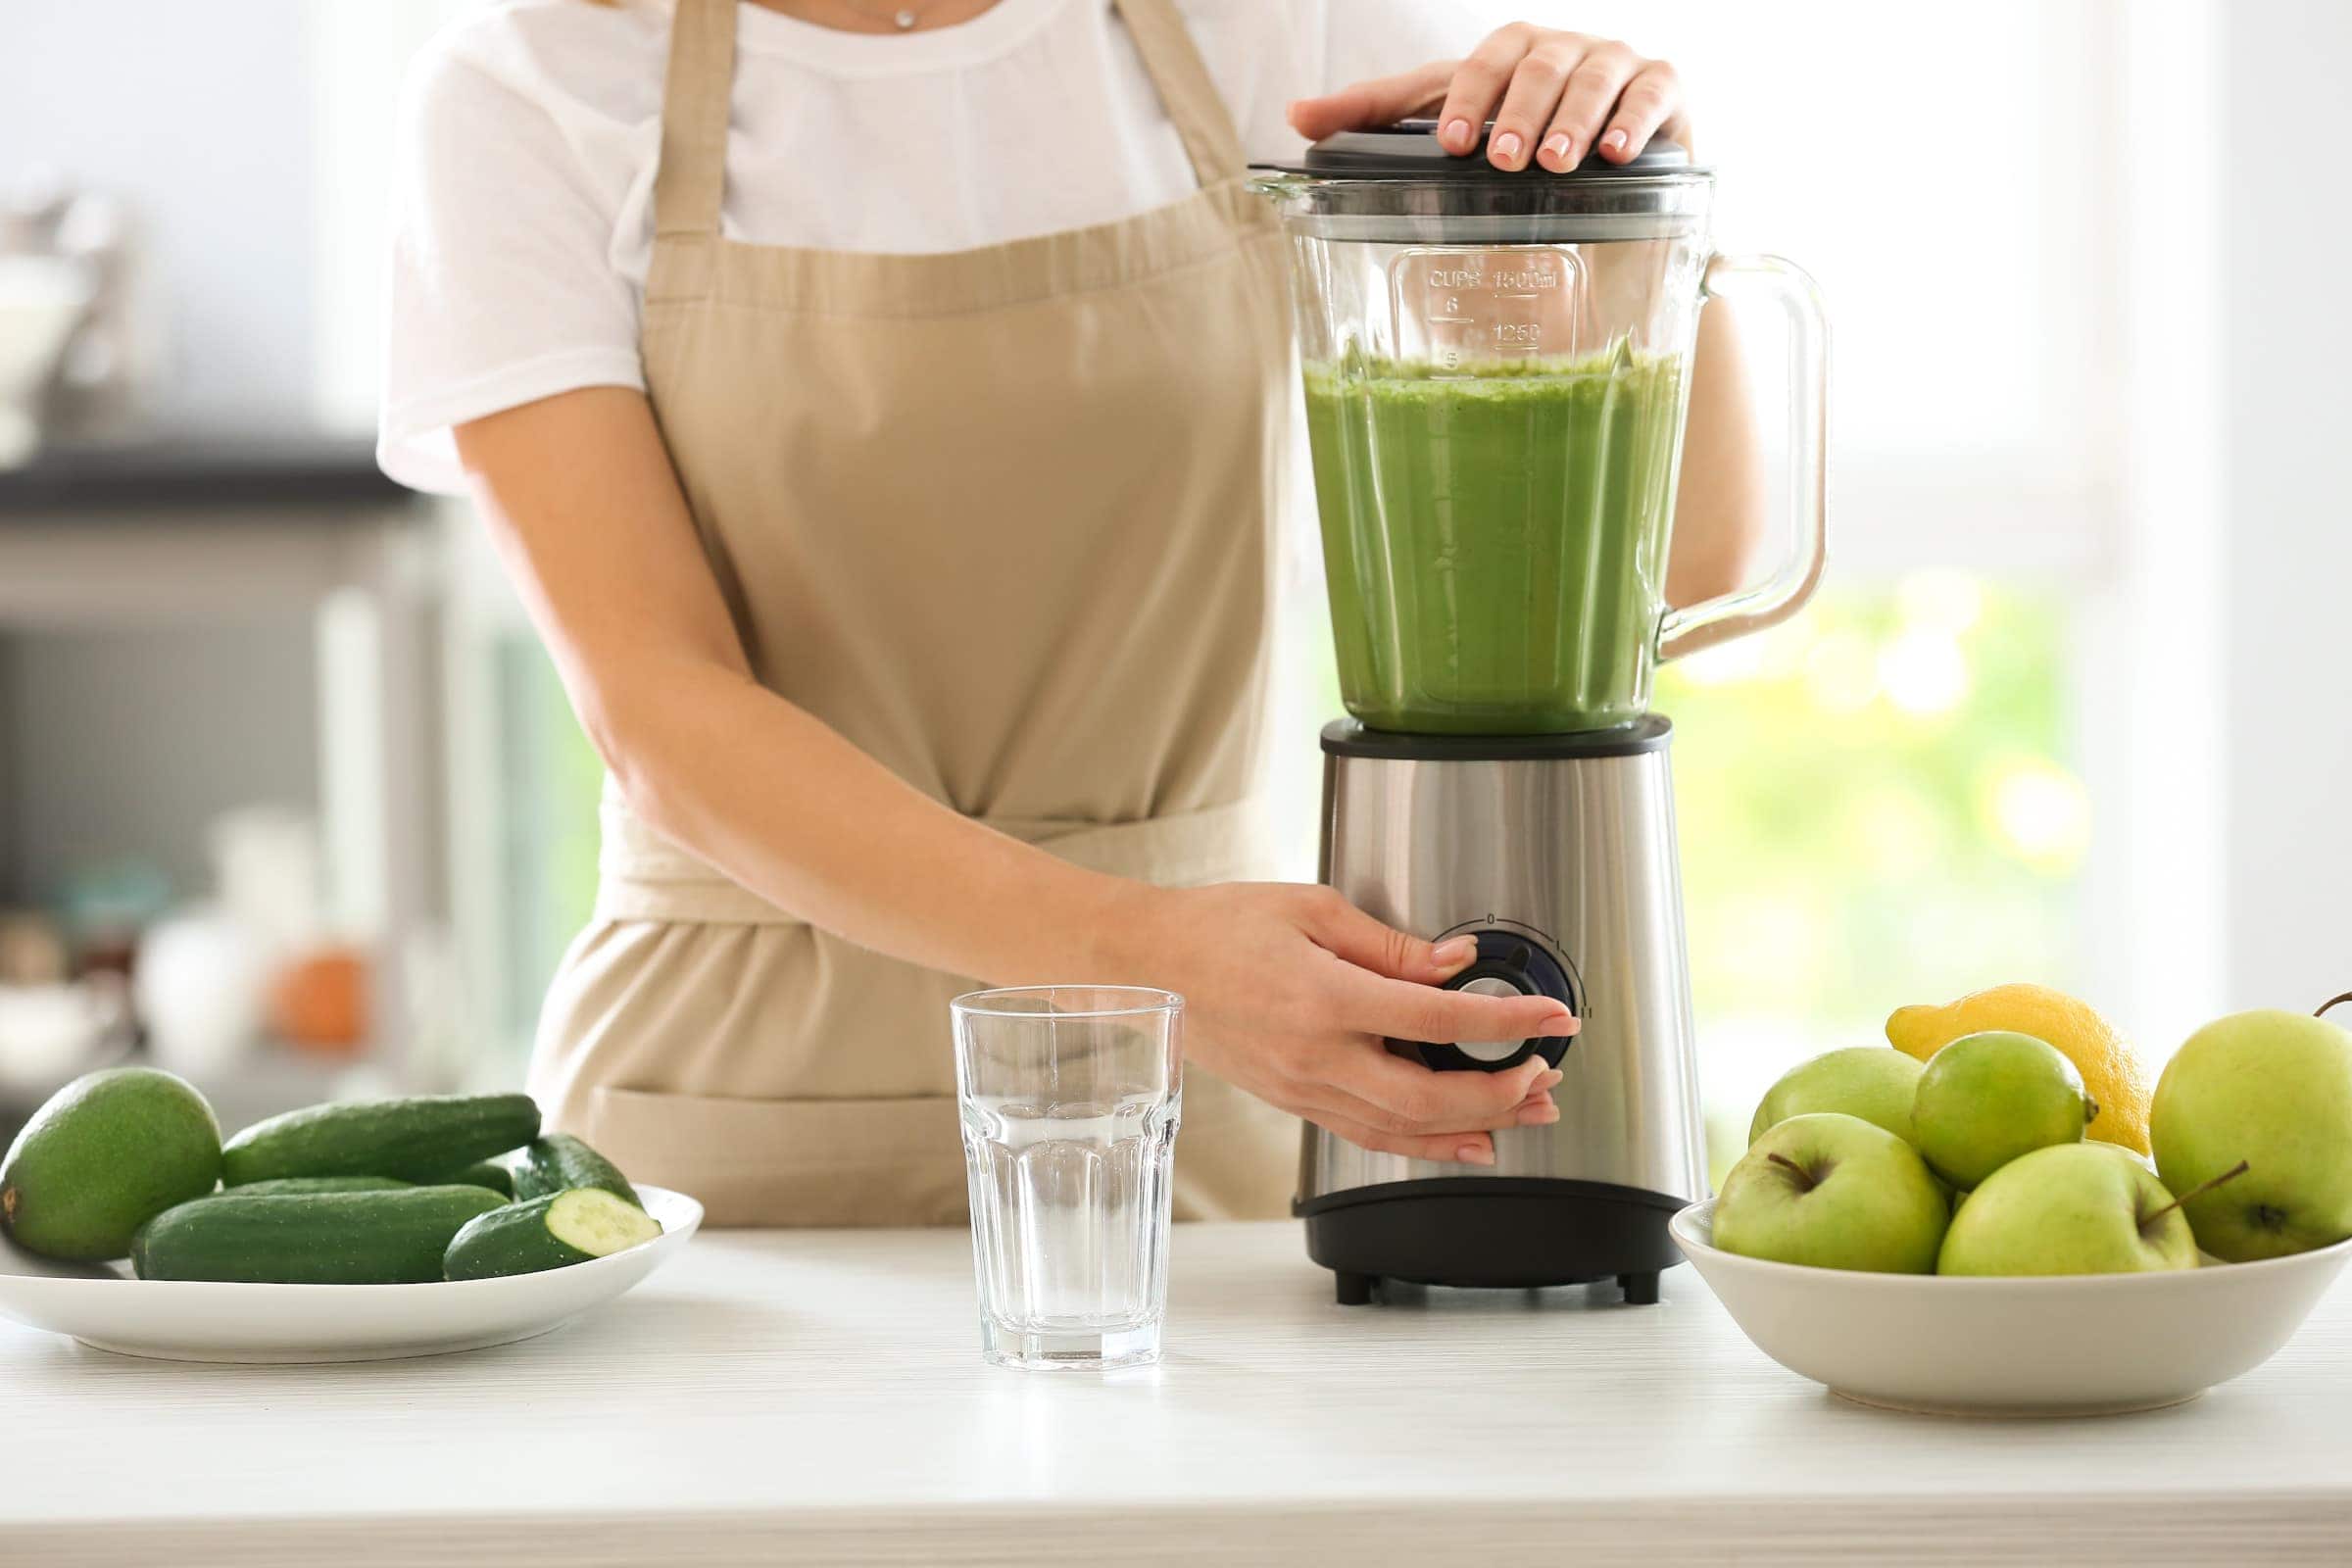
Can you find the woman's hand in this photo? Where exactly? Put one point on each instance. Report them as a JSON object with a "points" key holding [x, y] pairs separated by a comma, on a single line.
{"points": [[1554, 97], [1291, 992]]}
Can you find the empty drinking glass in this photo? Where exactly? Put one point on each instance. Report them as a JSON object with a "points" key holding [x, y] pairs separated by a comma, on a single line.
{"points": [[1069, 1098]]}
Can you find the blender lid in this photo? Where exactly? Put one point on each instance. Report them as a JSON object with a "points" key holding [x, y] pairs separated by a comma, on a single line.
{"points": [[1409, 150]]}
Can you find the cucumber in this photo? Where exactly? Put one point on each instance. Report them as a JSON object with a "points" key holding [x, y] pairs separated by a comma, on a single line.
{"points": [[558, 1162], [552, 1232], [489, 1173], [416, 1139], [391, 1237], [284, 1186]]}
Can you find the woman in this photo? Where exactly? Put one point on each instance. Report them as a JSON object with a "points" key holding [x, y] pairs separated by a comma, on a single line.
{"points": [[878, 404]]}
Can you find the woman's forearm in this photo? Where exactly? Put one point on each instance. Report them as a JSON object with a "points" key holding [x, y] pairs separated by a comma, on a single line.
{"points": [[580, 500], [790, 809]]}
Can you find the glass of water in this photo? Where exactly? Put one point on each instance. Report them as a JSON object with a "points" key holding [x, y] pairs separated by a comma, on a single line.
{"points": [[1069, 1098]]}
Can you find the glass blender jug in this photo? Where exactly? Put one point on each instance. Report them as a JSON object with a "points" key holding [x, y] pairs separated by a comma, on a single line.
{"points": [[1497, 368]]}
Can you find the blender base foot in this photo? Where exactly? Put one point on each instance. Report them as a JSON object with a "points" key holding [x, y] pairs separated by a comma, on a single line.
{"points": [[1641, 1290], [1352, 1289]]}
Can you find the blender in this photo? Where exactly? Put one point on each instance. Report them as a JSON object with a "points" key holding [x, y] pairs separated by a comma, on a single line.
{"points": [[1496, 368]]}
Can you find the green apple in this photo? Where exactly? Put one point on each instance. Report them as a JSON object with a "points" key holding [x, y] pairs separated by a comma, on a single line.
{"points": [[2275, 1090], [2068, 1209], [1835, 1191], [1873, 1082], [1985, 1099]]}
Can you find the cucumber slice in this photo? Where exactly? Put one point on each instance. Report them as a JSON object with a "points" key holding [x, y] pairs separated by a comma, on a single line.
{"points": [[552, 1232]]}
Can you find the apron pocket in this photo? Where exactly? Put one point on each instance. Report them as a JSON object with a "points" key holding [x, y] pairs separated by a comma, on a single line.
{"points": [[799, 1162]]}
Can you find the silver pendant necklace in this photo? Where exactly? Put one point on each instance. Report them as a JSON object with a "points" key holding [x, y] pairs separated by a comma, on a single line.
{"points": [[902, 16]]}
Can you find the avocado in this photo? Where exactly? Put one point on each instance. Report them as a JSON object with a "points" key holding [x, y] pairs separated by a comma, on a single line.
{"points": [[107, 1153]]}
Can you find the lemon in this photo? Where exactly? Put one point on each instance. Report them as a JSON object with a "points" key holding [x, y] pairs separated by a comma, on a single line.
{"points": [[2111, 1074]]}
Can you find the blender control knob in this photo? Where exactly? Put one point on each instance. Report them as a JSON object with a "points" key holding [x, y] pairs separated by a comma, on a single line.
{"points": [[1510, 963], [1491, 1053]]}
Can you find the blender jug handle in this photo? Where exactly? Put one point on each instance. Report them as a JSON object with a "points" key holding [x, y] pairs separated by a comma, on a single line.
{"points": [[1785, 592]]}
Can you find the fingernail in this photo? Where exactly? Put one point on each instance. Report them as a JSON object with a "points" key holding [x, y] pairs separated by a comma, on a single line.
{"points": [[1551, 1079], [1558, 144], [1475, 1154], [1506, 147], [1457, 133], [1614, 142], [1542, 1116], [1567, 1023], [1456, 950]]}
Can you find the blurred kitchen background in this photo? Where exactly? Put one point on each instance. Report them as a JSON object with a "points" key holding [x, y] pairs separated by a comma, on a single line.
{"points": [[2075, 706]]}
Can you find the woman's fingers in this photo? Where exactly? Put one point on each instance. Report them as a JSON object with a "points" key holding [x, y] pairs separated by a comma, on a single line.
{"points": [[1309, 1098], [1348, 932], [1454, 1149], [1405, 1096], [1477, 85], [1451, 1147], [1549, 94], [1651, 102], [1528, 104], [1592, 92], [1380, 102], [1402, 1009]]}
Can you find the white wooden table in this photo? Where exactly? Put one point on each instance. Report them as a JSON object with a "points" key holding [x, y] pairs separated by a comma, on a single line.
{"points": [[817, 1396]]}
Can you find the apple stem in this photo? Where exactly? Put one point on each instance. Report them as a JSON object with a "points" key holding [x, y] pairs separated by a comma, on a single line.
{"points": [[2333, 1002], [2198, 1190], [1793, 1168]]}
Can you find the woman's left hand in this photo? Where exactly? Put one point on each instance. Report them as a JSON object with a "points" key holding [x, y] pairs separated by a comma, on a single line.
{"points": [[1554, 97]]}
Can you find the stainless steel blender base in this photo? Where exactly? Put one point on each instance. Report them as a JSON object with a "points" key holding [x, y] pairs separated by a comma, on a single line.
{"points": [[1559, 852]]}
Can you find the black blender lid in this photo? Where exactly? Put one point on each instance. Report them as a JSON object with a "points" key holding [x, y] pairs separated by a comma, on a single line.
{"points": [[1409, 150]]}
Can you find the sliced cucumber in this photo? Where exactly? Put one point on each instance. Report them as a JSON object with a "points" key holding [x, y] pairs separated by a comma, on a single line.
{"points": [[552, 1232]]}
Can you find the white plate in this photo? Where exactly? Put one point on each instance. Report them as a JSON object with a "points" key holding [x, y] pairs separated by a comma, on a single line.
{"points": [[200, 1320], [2075, 1344]]}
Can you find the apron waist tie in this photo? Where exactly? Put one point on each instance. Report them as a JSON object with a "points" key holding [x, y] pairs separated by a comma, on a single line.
{"points": [[643, 876]]}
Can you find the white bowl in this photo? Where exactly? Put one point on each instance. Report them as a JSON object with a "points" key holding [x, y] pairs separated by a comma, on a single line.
{"points": [[2072, 1344], [208, 1320]]}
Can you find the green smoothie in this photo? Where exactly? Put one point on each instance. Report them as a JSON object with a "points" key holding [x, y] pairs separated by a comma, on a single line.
{"points": [[1495, 536]]}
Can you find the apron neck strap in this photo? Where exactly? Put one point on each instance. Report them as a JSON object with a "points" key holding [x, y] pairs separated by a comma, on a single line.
{"points": [[698, 100], [697, 97], [1193, 104]]}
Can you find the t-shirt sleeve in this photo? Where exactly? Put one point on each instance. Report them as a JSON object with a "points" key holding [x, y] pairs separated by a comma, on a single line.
{"points": [[501, 288]]}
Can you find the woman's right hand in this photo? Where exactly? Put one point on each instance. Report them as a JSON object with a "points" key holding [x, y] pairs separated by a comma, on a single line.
{"points": [[1292, 992]]}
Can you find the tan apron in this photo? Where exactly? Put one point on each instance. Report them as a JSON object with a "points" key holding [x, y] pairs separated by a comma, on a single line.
{"points": [[999, 516]]}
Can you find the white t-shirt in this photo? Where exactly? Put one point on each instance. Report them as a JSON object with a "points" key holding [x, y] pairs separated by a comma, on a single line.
{"points": [[529, 132]]}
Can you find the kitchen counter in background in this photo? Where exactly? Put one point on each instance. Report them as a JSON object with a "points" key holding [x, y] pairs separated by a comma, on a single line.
{"points": [[818, 1396], [328, 474], [198, 622]]}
